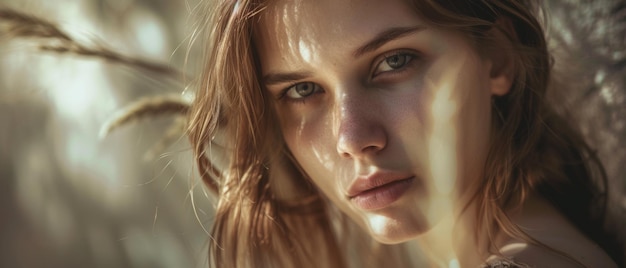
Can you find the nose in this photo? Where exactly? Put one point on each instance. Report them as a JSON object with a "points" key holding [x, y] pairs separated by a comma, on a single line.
{"points": [[361, 130]]}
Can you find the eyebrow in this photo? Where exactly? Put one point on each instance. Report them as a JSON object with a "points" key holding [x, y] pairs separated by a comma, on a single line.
{"points": [[385, 37], [279, 78]]}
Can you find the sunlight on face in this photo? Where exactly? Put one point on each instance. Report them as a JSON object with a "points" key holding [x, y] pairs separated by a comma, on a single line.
{"points": [[454, 264], [443, 137], [389, 116], [305, 51], [377, 223]]}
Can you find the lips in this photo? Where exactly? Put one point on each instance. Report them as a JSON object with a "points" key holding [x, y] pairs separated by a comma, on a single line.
{"points": [[379, 190]]}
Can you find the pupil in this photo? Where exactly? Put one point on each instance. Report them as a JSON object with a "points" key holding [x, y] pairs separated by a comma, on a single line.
{"points": [[304, 89], [395, 61]]}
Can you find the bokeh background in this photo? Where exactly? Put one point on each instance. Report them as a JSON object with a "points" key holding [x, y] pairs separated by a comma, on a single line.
{"points": [[71, 198], [68, 197]]}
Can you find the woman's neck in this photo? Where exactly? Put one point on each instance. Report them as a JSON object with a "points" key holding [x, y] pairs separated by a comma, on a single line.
{"points": [[452, 242]]}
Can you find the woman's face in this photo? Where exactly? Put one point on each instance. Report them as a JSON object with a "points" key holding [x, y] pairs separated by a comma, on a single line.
{"points": [[390, 117]]}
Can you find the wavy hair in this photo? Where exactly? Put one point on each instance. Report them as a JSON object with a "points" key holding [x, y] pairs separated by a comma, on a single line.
{"points": [[534, 150], [268, 212]]}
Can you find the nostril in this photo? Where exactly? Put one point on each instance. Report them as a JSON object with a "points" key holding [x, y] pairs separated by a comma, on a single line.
{"points": [[372, 149]]}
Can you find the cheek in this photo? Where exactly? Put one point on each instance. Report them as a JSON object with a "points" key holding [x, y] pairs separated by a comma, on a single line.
{"points": [[475, 143], [310, 141], [313, 146], [460, 126]]}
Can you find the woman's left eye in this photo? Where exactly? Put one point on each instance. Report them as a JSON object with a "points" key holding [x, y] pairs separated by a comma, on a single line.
{"points": [[394, 61]]}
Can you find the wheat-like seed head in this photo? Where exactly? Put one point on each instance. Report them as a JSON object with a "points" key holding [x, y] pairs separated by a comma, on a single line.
{"points": [[19, 24], [14, 24], [50, 38], [148, 107]]}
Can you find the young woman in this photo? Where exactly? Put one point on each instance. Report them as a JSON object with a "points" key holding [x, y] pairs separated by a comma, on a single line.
{"points": [[341, 133]]}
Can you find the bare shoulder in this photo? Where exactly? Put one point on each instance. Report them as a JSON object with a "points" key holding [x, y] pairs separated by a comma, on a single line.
{"points": [[527, 255], [565, 245]]}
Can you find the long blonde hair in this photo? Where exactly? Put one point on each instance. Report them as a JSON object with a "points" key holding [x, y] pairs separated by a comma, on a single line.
{"points": [[260, 222]]}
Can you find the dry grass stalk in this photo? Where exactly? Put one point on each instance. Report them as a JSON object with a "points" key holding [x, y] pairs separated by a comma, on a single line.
{"points": [[18, 24], [174, 132], [23, 25], [15, 24], [148, 107]]}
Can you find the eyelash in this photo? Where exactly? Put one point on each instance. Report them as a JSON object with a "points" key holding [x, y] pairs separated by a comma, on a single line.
{"points": [[409, 57], [283, 94]]}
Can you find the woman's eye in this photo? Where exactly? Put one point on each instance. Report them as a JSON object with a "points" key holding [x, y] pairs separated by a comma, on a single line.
{"points": [[302, 90], [393, 62]]}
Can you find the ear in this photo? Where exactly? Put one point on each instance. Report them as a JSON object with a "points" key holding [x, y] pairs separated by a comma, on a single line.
{"points": [[501, 56]]}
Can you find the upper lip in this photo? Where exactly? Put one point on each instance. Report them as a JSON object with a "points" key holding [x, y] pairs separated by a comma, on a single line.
{"points": [[374, 180]]}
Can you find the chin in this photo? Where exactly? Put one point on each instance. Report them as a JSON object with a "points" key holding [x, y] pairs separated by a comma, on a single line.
{"points": [[388, 230]]}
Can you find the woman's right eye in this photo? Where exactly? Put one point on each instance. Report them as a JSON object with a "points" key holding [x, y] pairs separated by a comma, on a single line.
{"points": [[300, 91]]}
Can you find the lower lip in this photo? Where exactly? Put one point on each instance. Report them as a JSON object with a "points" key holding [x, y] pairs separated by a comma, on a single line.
{"points": [[382, 196]]}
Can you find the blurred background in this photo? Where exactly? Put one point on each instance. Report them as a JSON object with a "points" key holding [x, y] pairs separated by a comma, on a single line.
{"points": [[71, 198], [68, 197]]}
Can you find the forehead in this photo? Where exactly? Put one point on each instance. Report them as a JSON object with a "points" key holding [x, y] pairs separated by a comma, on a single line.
{"points": [[333, 15], [302, 29]]}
